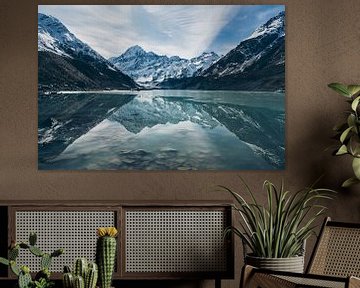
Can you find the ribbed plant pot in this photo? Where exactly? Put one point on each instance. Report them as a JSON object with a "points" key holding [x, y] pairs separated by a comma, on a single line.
{"points": [[291, 264]]}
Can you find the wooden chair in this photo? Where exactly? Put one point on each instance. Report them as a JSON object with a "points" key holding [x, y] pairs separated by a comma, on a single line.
{"points": [[335, 262]]}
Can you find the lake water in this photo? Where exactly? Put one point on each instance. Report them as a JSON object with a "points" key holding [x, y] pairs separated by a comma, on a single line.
{"points": [[162, 130]]}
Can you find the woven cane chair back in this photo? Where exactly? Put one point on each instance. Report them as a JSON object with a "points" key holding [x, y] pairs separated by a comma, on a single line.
{"points": [[338, 251]]}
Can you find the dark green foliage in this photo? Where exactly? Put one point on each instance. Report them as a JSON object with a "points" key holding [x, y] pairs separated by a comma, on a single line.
{"points": [[57, 252], [44, 273], [24, 246], [32, 239], [13, 253]]}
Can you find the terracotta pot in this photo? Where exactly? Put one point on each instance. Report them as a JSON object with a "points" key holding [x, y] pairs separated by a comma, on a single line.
{"points": [[291, 264]]}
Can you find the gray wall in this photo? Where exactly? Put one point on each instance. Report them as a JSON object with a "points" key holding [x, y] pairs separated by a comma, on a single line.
{"points": [[322, 46]]}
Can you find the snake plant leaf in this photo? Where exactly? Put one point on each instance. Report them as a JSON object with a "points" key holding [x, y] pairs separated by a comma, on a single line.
{"points": [[356, 167], [349, 182], [342, 150], [355, 103], [345, 134], [353, 89], [340, 88]]}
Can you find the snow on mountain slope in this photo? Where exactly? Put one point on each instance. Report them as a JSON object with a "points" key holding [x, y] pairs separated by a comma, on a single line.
{"points": [[275, 25], [260, 47], [65, 62], [53, 36], [149, 69]]}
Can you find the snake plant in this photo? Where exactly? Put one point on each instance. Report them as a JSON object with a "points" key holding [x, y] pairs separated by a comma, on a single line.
{"points": [[279, 228], [348, 132]]}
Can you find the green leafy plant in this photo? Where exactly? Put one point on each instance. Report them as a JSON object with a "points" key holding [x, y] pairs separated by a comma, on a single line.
{"points": [[279, 229], [348, 132], [42, 278]]}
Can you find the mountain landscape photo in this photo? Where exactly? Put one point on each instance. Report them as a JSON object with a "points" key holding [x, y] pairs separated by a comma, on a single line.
{"points": [[154, 88]]}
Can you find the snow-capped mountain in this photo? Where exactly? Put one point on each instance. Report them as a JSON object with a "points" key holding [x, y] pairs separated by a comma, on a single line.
{"points": [[65, 62], [149, 69], [257, 63], [53, 36], [275, 25], [253, 50]]}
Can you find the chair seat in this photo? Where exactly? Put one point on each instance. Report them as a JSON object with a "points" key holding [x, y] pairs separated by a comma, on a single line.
{"points": [[314, 282], [263, 278], [335, 262]]}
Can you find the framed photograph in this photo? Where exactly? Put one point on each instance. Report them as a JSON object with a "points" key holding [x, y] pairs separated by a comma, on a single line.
{"points": [[161, 87]]}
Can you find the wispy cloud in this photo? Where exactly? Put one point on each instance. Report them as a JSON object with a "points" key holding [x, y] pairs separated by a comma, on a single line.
{"points": [[183, 30]]}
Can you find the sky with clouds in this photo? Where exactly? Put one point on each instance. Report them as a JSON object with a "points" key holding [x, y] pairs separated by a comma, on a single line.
{"points": [[182, 30]]}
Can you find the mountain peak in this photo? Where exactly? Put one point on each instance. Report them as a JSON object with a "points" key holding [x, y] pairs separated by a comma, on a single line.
{"points": [[274, 25], [135, 50]]}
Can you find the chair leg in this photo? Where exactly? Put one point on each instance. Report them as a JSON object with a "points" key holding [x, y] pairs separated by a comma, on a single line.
{"points": [[251, 279], [246, 274]]}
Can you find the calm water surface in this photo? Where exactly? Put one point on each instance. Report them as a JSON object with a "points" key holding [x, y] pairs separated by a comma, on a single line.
{"points": [[162, 130]]}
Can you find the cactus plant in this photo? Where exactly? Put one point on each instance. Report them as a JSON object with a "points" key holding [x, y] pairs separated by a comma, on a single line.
{"points": [[84, 274], [91, 276], [105, 254], [80, 267], [42, 278], [24, 277], [79, 282]]}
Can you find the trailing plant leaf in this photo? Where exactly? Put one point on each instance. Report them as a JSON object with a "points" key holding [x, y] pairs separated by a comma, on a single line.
{"points": [[340, 88], [353, 89], [342, 150], [356, 167], [349, 182], [345, 134], [355, 103], [349, 131]]}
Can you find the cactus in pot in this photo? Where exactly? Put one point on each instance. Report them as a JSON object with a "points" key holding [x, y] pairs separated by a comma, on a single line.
{"points": [[106, 254], [85, 275]]}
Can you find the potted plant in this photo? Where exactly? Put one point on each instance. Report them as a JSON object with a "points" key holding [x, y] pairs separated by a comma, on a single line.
{"points": [[42, 278], [348, 132], [276, 233]]}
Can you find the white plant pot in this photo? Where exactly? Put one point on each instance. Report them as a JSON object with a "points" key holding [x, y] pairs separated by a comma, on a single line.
{"points": [[291, 264]]}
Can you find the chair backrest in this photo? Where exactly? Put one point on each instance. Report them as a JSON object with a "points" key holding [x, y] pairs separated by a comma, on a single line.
{"points": [[337, 251]]}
